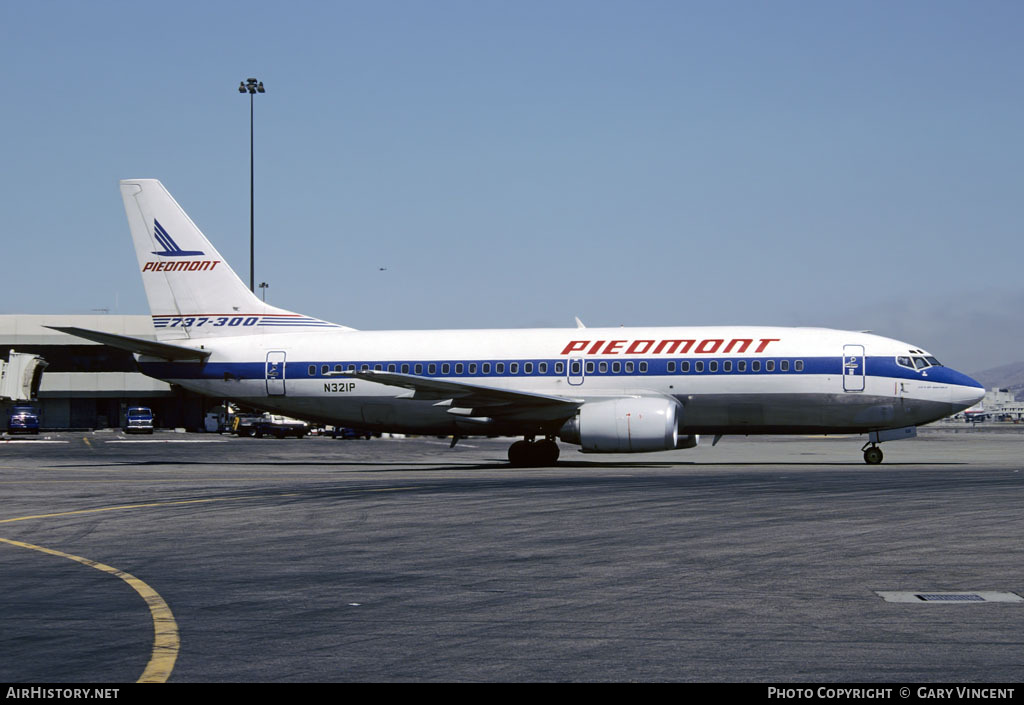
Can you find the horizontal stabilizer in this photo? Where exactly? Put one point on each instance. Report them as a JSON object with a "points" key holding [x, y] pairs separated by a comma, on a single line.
{"points": [[136, 345]]}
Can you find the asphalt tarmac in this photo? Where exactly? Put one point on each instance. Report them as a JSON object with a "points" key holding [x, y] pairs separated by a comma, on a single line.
{"points": [[206, 558]]}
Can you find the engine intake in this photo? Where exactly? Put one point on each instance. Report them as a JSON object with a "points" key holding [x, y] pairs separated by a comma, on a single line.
{"points": [[632, 425]]}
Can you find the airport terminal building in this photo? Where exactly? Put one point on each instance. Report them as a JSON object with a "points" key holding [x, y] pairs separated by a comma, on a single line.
{"points": [[89, 386]]}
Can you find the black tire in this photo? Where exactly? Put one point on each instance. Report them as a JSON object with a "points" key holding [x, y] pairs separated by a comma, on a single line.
{"points": [[519, 454], [873, 455], [539, 454], [545, 453]]}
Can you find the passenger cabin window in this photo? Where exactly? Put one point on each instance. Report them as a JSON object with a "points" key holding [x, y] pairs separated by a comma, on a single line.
{"points": [[472, 368], [542, 367], [727, 366], [513, 368], [458, 368], [312, 370], [671, 366], [769, 365], [391, 367], [499, 368], [324, 369], [784, 365], [755, 366], [741, 366], [590, 368], [798, 365], [698, 366], [559, 368], [432, 368], [446, 369], [405, 368], [643, 367], [629, 367], [527, 368], [603, 367], [616, 367], [486, 368], [419, 368], [713, 366]]}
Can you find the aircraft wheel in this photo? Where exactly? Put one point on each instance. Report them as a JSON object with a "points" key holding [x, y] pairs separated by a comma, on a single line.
{"points": [[873, 455], [519, 454], [545, 453]]}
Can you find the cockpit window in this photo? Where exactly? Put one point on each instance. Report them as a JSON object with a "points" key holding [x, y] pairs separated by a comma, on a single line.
{"points": [[916, 362]]}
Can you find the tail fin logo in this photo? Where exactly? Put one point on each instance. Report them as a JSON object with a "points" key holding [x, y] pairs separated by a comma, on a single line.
{"points": [[171, 248]]}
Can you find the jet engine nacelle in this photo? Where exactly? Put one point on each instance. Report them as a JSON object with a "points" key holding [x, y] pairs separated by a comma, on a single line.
{"points": [[632, 425]]}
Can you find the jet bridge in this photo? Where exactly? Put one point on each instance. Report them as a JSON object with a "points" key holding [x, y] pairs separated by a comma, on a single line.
{"points": [[21, 376]]}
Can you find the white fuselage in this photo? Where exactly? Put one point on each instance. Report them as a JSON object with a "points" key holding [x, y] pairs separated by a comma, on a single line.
{"points": [[739, 379]]}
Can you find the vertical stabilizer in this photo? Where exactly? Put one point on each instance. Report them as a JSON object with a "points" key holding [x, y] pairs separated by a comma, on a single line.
{"points": [[192, 291]]}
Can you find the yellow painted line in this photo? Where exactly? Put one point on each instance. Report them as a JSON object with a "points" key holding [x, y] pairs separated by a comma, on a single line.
{"points": [[166, 642], [165, 629], [114, 509]]}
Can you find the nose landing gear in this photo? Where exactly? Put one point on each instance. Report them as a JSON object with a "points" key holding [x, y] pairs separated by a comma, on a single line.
{"points": [[872, 454]]}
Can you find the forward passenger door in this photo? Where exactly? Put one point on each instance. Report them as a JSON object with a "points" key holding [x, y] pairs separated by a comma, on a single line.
{"points": [[853, 368]]}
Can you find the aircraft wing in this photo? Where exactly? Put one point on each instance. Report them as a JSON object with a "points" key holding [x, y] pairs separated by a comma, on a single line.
{"points": [[472, 399], [135, 345]]}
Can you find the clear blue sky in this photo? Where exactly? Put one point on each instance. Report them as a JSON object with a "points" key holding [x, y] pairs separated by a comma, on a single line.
{"points": [[847, 164]]}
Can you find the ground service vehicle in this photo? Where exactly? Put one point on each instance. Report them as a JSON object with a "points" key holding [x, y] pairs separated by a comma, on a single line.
{"points": [[138, 419], [258, 426], [23, 419]]}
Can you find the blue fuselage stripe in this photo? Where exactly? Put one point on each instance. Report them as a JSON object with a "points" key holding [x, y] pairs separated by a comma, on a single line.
{"points": [[460, 369]]}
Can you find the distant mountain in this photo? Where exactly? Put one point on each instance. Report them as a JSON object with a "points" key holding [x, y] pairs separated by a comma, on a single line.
{"points": [[1005, 377]]}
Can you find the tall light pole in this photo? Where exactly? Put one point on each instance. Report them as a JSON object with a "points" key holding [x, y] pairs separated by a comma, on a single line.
{"points": [[252, 87]]}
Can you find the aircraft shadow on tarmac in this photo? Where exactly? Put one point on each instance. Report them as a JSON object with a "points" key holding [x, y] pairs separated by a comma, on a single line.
{"points": [[423, 466]]}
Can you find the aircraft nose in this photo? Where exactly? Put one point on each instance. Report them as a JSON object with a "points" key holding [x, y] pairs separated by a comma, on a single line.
{"points": [[965, 393]]}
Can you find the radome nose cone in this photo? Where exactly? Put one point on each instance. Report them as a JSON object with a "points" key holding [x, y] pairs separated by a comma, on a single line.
{"points": [[966, 394]]}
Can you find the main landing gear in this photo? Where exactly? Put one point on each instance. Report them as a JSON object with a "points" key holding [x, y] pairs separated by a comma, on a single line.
{"points": [[872, 453], [529, 453]]}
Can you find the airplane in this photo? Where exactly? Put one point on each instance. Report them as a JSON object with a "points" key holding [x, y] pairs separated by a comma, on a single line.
{"points": [[607, 390]]}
